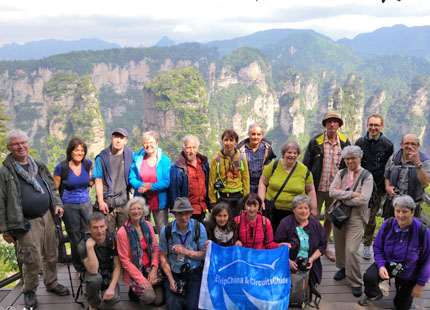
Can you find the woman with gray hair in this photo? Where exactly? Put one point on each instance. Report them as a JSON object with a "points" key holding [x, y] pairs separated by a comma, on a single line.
{"points": [[351, 188], [150, 177], [279, 184], [138, 252], [307, 238]]}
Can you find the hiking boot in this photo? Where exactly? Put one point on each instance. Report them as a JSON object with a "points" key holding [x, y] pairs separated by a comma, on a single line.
{"points": [[367, 300], [59, 290], [357, 291], [30, 299], [340, 274], [366, 252]]}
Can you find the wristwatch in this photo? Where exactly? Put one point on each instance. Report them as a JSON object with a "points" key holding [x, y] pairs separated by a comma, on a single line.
{"points": [[420, 165]]}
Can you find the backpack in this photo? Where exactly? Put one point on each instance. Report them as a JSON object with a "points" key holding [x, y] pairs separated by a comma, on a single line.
{"points": [[263, 218], [237, 163], [65, 174], [300, 292], [421, 233], [168, 232], [374, 195]]}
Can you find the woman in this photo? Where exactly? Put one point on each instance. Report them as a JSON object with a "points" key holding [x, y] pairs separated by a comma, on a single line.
{"points": [[353, 186], [150, 176], [306, 236], [300, 182], [228, 175], [221, 226], [138, 253], [72, 177], [254, 230]]}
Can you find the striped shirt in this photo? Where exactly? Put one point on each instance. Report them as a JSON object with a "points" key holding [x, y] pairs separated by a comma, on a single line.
{"points": [[255, 165], [331, 162]]}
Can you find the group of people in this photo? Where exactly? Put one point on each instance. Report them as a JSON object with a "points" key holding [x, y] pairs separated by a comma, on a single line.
{"points": [[253, 201]]}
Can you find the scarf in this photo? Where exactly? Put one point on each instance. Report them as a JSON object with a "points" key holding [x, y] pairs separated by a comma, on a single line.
{"points": [[223, 236], [30, 176], [350, 177]]}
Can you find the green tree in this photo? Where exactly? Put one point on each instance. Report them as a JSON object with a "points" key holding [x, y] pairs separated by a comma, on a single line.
{"points": [[3, 129]]}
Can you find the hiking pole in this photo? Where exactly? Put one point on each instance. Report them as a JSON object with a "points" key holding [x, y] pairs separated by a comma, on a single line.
{"points": [[63, 242]]}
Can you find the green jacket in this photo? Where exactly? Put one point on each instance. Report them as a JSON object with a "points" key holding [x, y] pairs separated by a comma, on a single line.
{"points": [[314, 155], [11, 216]]}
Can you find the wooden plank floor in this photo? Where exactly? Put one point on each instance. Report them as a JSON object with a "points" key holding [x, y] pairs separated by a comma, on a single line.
{"points": [[336, 295]]}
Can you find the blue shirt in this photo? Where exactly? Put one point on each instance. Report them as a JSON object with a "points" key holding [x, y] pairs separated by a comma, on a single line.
{"points": [[98, 171], [255, 165], [187, 241], [76, 190]]}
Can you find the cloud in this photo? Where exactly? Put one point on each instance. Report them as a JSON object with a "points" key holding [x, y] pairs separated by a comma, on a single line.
{"points": [[182, 28]]}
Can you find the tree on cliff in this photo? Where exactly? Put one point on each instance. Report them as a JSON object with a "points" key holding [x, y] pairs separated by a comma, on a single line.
{"points": [[3, 129]]}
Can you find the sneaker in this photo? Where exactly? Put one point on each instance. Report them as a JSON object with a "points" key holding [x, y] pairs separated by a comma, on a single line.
{"points": [[340, 274], [367, 300], [357, 291], [30, 300], [366, 252], [59, 290]]}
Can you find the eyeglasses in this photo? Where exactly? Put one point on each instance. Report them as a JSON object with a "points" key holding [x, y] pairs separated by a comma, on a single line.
{"points": [[18, 144], [350, 159], [374, 125], [149, 144]]}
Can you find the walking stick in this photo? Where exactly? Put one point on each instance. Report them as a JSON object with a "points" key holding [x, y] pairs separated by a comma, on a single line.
{"points": [[63, 241]]}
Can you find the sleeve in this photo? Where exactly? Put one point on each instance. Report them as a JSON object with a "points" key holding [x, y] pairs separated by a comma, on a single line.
{"points": [[124, 251], [164, 182], [97, 171], [281, 234], [90, 162], [424, 271], [378, 247], [270, 244], [212, 178], [267, 172], [56, 200], [308, 157], [339, 193], [245, 177], [388, 168], [203, 236], [3, 200], [310, 178], [82, 250], [426, 166], [57, 170], [175, 183], [365, 193], [134, 177], [322, 244], [162, 242], [156, 253]]}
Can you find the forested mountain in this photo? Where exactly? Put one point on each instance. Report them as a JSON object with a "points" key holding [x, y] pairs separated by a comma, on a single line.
{"points": [[191, 88]]}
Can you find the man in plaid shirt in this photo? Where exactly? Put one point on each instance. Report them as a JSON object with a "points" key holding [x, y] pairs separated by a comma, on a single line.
{"points": [[323, 158]]}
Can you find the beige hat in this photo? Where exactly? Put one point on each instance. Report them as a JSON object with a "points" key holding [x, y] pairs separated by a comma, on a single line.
{"points": [[182, 204], [332, 114]]}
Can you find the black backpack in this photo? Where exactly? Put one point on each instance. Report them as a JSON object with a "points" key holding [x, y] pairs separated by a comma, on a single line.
{"points": [[65, 174]]}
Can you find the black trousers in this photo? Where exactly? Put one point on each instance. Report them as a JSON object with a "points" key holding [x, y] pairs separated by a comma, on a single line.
{"points": [[277, 217], [402, 300]]}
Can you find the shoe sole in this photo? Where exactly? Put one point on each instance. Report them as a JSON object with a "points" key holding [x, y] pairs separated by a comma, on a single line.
{"points": [[62, 294]]}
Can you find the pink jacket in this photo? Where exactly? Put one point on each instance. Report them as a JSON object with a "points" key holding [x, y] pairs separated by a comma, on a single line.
{"points": [[257, 239], [124, 252]]}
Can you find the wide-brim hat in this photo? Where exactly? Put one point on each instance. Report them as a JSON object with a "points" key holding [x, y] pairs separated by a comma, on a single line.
{"points": [[332, 114], [182, 204]]}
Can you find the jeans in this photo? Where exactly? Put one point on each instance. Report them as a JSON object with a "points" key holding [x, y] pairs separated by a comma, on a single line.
{"points": [[190, 300]]}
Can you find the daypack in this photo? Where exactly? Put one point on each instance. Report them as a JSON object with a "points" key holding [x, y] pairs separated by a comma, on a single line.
{"points": [[421, 233], [374, 190], [300, 292], [263, 219], [65, 174]]}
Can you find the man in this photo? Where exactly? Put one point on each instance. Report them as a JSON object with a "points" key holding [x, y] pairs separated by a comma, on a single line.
{"points": [[99, 255], [377, 149], [111, 178], [407, 172], [323, 158], [402, 252], [28, 204], [182, 250], [189, 177], [258, 153]]}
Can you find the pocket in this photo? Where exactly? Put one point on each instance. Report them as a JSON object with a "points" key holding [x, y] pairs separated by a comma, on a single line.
{"points": [[27, 255]]}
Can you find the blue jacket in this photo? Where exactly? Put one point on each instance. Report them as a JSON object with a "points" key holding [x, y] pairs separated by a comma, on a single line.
{"points": [[163, 176], [179, 178]]}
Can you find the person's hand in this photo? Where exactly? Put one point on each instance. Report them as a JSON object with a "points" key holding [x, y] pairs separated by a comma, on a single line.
{"points": [[179, 249], [383, 273], [103, 207], [173, 286], [59, 211], [337, 187], [152, 277], [8, 238], [357, 194], [206, 243], [263, 205], [109, 293], [147, 285], [413, 155], [390, 191], [310, 263], [417, 291], [285, 243], [91, 243], [141, 190], [293, 265], [238, 242]]}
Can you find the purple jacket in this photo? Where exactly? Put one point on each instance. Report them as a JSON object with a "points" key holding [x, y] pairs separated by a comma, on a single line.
{"points": [[416, 264], [287, 232]]}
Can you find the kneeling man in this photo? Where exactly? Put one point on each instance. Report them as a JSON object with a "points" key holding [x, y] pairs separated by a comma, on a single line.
{"points": [[402, 252]]}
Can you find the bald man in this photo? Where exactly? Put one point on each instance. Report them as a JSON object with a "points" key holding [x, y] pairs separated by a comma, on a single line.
{"points": [[407, 173]]}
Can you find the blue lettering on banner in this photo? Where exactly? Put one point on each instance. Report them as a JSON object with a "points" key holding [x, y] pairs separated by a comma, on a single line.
{"points": [[242, 278]]}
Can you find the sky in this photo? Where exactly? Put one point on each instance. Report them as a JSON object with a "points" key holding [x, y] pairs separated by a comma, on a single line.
{"points": [[143, 22]]}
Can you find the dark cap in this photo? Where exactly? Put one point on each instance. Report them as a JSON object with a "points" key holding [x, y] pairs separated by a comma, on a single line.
{"points": [[332, 115], [182, 204], [121, 131]]}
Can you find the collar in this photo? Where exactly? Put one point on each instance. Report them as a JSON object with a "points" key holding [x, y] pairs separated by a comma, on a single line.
{"points": [[369, 139], [326, 140], [397, 228], [189, 229]]}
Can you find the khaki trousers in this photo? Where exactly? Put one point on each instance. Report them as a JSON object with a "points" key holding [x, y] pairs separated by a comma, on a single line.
{"points": [[116, 219], [36, 247], [346, 243]]}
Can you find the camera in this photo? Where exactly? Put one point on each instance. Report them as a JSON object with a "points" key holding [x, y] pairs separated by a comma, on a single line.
{"points": [[218, 185], [180, 284], [394, 269], [302, 263]]}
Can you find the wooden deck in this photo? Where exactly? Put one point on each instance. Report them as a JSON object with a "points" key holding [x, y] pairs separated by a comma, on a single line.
{"points": [[335, 295]]}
